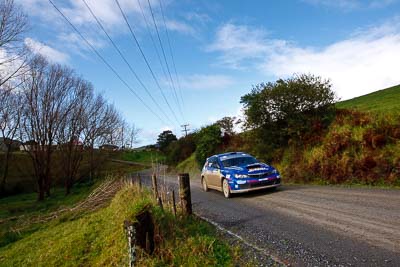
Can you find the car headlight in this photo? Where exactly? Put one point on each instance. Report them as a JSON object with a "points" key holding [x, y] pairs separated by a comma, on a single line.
{"points": [[275, 171], [241, 176]]}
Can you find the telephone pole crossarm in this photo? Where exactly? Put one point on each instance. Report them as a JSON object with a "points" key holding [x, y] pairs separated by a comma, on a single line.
{"points": [[185, 129]]}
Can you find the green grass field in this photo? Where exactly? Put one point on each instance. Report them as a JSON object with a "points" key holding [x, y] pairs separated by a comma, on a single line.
{"points": [[26, 205], [386, 100], [21, 175], [143, 157], [98, 238]]}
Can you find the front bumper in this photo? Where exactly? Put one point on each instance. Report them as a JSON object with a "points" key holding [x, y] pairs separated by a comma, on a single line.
{"points": [[254, 188], [240, 186]]}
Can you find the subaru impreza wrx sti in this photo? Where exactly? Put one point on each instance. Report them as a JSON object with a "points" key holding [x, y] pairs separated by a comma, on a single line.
{"points": [[237, 172]]}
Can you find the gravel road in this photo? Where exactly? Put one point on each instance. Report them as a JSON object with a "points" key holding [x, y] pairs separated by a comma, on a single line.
{"points": [[311, 225]]}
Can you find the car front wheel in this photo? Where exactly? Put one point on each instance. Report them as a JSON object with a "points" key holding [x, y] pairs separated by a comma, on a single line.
{"points": [[225, 188]]}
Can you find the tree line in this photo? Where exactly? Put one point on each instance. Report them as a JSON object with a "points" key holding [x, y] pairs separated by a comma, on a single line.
{"points": [[287, 112], [50, 109]]}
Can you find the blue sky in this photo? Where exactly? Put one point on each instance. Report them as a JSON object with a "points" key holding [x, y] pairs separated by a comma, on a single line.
{"points": [[221, 49]]}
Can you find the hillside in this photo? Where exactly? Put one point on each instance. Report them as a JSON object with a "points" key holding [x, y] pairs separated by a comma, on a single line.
{"points": [[361, 145], [386, 100]]}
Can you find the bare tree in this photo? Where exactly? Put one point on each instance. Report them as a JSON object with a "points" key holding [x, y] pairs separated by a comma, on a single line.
{"points": [[101, 121], [71, 130], [10, 117], [47, 103], [133, 133], [13, 53], [119, 135]]}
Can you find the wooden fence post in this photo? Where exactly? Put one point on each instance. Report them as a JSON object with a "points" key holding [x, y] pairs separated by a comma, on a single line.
{"points": [[160, 203], [184, 193], [173, 202], [139, 180], [154, 183], [131, 234]]}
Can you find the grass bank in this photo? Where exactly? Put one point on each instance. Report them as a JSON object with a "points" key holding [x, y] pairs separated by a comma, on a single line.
{"points": [[143, 157], [98, 239], [190, 166]]}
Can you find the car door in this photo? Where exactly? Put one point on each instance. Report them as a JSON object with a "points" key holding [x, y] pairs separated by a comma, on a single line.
{"points": [[214, 174], [207, 171]]}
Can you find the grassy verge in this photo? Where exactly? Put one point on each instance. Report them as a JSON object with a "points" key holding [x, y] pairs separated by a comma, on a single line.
{"points": [[143, 157], [190, 166], [98, 238]]}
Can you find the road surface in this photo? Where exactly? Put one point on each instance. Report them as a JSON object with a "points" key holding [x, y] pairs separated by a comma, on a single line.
{"points": [[310, 225]]}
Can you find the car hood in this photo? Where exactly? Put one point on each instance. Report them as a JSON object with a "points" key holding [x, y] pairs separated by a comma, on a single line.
{"points": [[251, 168]]}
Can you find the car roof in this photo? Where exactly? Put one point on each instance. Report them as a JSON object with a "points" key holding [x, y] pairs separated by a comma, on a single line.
{"points": [[230, 155]]}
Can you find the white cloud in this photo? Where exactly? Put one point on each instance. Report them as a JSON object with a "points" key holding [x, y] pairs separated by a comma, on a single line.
{"points": [[201, 18], [238, 43], [381, 3], [180, 26], [106, 11], [366, 61], [351, 4], [47, 51], [108, 14], [206, 82]]}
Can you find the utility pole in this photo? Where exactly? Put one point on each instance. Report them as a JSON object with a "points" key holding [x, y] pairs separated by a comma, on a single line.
{"points": [[185, 129]]}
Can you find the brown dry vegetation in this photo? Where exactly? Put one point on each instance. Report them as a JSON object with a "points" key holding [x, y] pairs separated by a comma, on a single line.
{"points": [[358, 147]]}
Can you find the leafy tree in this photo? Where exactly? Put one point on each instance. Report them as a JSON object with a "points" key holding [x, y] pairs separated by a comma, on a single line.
{"points": [[182, 149], [226, 124], [165, 139], [208, 141], [288, 109]]}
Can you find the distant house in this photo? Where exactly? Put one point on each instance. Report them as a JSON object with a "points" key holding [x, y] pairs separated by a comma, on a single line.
{"points": [[75, 143], [28, 145], [4, 142], [109, 147]]}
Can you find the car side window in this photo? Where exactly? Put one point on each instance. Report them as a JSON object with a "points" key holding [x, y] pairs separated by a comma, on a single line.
{"points": [[209, 163], [215, 164]]}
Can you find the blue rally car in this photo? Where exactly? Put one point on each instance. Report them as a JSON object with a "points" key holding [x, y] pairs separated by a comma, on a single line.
{"points": [[237, 172]]}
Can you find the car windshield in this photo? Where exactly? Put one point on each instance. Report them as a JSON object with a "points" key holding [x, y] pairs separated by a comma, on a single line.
{"points": [[238, 161]]}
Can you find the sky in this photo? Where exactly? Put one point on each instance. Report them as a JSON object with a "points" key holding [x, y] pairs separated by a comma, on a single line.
{"points": [[214, 52]]}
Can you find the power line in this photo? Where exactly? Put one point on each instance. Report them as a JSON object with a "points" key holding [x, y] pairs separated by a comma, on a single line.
{"points": [[156, 49], [125, 60], [172, 54], [165, 58], [105, 61], [153, 42], [145, 59]]}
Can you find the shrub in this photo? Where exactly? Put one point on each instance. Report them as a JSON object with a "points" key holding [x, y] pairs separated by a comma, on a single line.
{"points": [[208, 141]]}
